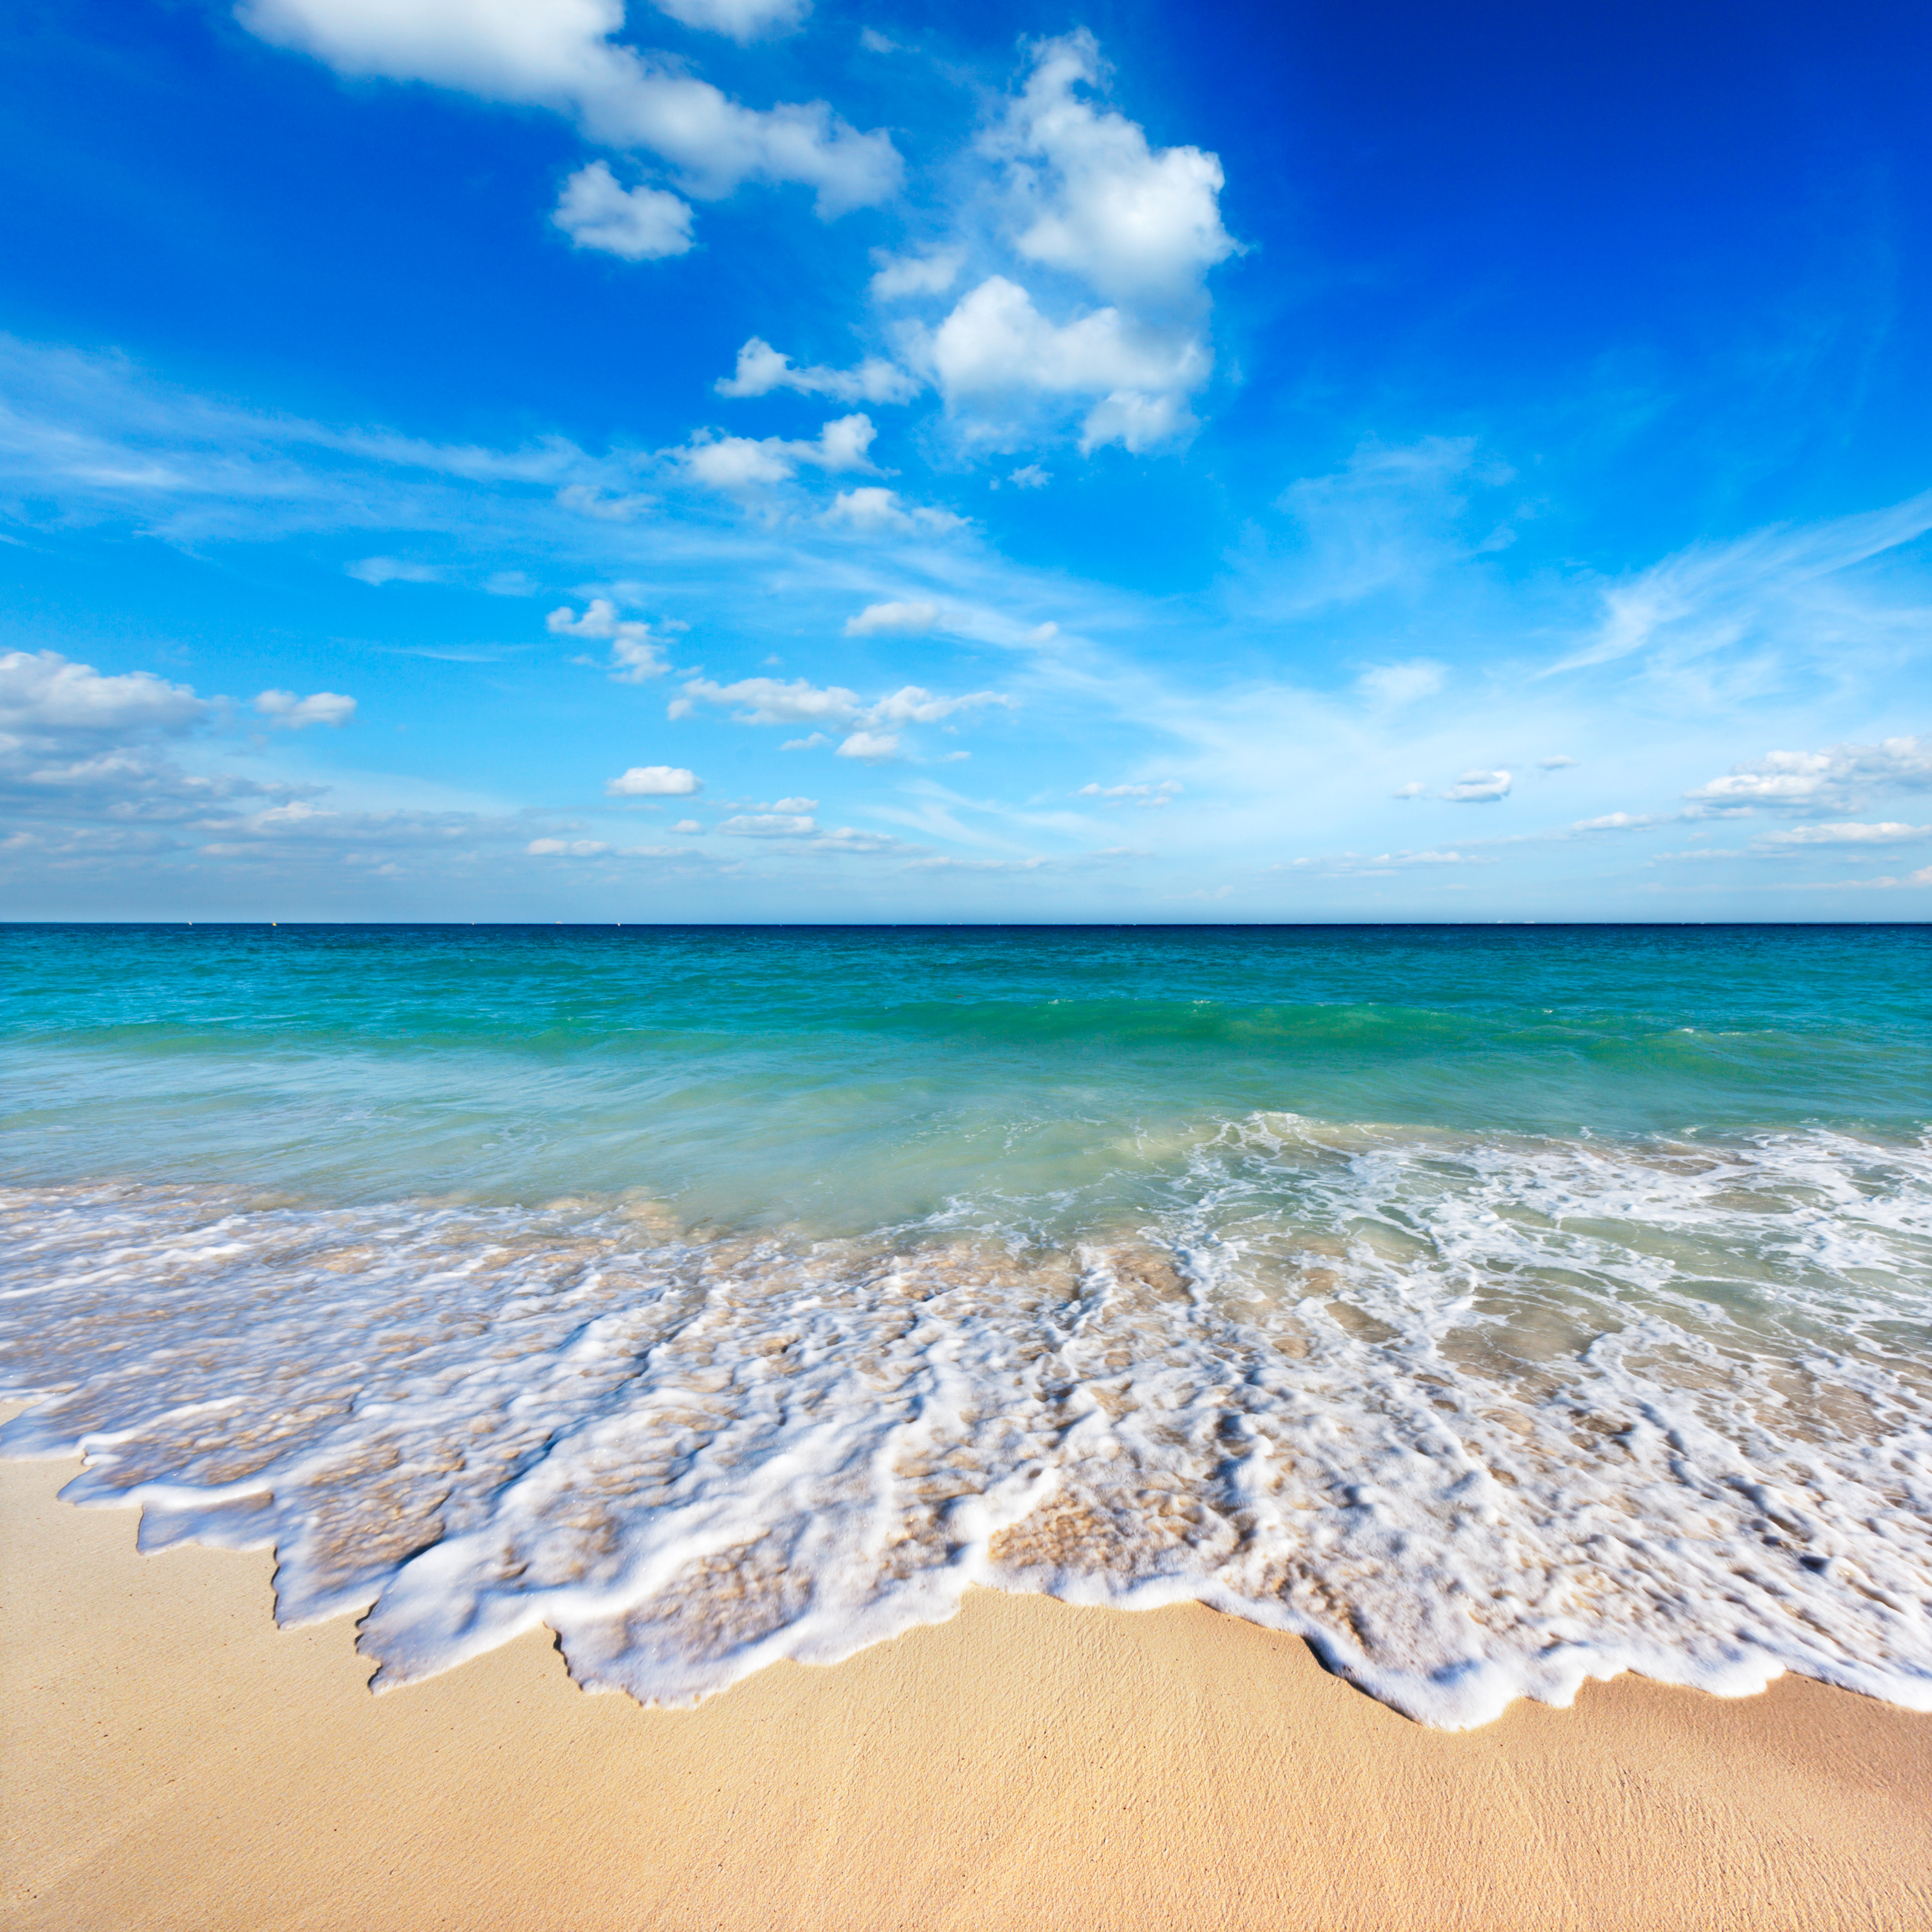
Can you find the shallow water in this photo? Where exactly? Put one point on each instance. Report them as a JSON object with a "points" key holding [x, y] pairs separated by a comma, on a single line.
{"points": [[1494, 1307]]}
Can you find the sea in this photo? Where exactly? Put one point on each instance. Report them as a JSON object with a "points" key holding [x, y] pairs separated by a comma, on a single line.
{"points": [[1493, 1308]]}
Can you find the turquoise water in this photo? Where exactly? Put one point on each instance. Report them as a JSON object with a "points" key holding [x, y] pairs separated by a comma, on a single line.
{"points": [[1494, 1306], [853, 1076]]}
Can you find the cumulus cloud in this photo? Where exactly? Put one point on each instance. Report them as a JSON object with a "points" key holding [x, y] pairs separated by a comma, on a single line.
{"points": [[1558, 763], [871, 507], [655, 782], [560, 55], [873, 747], [1479, 788], [770, 700], [740, 463], [761, 369], [1829, 780], [740, 20], [907, 618], [641, 224], [1031, 476], [635, 654], [770, 825], [48, 699], [287, 712], [1095, 200], [86, 781], [872, 729], [574, 848], [1090, 210], [996, 346], [900, 276]]}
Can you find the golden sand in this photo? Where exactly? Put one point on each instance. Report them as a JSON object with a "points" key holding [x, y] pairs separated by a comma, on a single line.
{"points": [[172, 1760]]}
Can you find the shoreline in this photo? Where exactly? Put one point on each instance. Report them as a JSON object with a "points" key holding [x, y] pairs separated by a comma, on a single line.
{"points": [[172, 1760]]}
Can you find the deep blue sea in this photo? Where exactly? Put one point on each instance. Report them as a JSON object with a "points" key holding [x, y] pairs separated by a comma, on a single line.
{"points": [[1496, 1307]]}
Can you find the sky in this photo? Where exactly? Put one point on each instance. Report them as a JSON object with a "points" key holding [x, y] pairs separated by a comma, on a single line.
{"points": [[750, 460]]}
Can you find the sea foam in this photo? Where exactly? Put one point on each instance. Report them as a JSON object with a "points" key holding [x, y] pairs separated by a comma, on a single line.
{"points": [[1480, 1417]]}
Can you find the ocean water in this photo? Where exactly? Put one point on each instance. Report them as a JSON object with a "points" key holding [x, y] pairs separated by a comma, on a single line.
{"points": [[1495, 1308]]}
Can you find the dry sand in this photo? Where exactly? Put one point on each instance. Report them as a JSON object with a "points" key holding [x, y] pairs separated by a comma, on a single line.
{"points": [[171, 1759]]}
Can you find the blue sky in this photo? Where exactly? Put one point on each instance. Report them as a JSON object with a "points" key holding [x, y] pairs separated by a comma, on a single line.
{"points": [[742, 459]]}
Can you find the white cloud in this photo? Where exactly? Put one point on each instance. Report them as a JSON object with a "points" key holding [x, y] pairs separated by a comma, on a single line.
{"points": [[769, 825], [1413, 789], [655, 782], [899, 276], [1403, 683], [1031, 476], [761, 369], [1087, 200], [1356, 865], [742, 20], [1135, 421], [942, 865], [1893, 832], [908, 618], [635, 654], [1558, 763], [607, 508], [575, 848], [739, 462], [873, 747], [1774, 587], [770, 700], [287, 712], [872, 727], [795, 804], [912, 706], [1615, 821], [641, 224], [996, 344], [871, 507], [46, 699], [381, 570], [1479, 788], [846, 839], [559, 54], [687, 825], [1821, 781], [1134, 223], [1164, 793]]}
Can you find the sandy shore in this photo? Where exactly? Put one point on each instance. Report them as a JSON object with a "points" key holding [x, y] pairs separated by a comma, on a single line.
{"points": [[171, 1759]]}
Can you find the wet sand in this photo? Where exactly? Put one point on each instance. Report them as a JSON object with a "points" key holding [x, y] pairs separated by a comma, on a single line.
{"points": [[171, 1759]]}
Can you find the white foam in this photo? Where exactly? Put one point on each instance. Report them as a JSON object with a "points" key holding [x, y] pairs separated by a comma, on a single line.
{"points": [[1481, 1417]]}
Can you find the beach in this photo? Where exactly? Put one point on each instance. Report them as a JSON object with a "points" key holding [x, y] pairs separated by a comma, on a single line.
{"points": [[171, 1759], [731, 1428]]}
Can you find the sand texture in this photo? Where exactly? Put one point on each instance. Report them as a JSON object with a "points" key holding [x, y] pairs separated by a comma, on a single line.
{"points": [[172, 1760]]}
